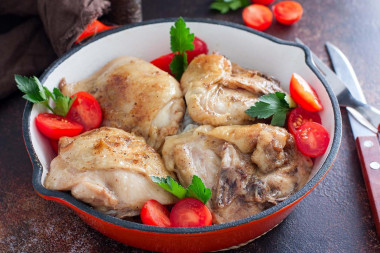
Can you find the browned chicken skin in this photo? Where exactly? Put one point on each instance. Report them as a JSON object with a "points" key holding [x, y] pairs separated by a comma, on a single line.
{"points": [[109, 169], [217, 92], [135, 96], [249, 168]]}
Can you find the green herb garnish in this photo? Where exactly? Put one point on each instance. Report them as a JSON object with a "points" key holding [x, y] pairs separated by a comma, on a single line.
{"points": [[181, 40], [225, 6], [272, 104], [171, 186], [196, 190], [36, 93]]}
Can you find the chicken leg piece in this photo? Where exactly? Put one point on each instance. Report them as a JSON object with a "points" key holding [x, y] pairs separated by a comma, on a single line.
{"points": [[135, 96], [248, 168], [109, 169], [218, 92]]}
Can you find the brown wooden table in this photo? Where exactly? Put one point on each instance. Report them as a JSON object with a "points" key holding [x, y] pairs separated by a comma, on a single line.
{"points": [[335, 217]]}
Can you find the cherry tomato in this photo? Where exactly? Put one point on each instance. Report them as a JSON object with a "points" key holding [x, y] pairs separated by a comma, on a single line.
{"points": [[298, 116], [163, 62], [257, 16], [287, 12], [155, 214], [264, 2], [189, 212], [200, 47], [85, 110], [54, 145], [312, 139], [303, 94], [55, 126], [92, 29]]}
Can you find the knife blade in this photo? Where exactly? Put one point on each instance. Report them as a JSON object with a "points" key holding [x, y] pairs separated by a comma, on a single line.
{"points": [[366, 142]]}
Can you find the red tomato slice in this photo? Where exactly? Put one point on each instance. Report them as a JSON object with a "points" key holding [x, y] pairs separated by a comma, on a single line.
{"points": [[190, 212], [55, 126], [298, 116], [287, 12], [312, 139], [257, 16], [92, 29], [86, 111], [155, 214], [54, 145], [200, 47], [264, 2], [163, 62], [303, 94]]}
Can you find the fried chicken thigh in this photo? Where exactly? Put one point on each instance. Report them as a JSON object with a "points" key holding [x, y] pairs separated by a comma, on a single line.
{"points": [[135, 96], [109, 169], [217, 92], [248, 168]]}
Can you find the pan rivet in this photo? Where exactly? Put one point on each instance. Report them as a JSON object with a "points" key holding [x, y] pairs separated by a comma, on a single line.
{"points": [[374, 165], [368, 144]]}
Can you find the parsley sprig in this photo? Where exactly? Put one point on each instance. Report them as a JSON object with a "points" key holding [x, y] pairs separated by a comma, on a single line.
{"points": [[36, 93], [225, 6], [276, 105], [181, 40], [196, 190]]}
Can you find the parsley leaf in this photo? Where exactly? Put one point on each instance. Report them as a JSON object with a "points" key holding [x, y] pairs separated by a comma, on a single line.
{"points": [[181, 40], [180, 37], [36, 93], [33, 89], [220, 6], [170, 185], [178, 65], [62, 103], [225, 6], [272, 104], [196, 190]]}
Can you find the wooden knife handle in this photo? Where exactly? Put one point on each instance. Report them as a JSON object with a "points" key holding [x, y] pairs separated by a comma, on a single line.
{"points": [[369, 153]]}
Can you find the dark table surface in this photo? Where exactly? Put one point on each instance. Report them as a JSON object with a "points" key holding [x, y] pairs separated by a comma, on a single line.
{"points": [[335, 217]]}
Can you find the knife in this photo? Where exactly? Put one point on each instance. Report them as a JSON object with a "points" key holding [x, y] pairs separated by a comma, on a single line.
{"points": [[366, 142], [349, 93]]}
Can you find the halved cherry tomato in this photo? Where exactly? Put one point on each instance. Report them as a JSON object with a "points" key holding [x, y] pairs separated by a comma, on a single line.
{"points": [[155, 214], [163, 62], [298, 116], [287, 12], [55, 126], [54, 145], [312, 139], [200, 47], [189, 212], [303, 94], [264, 2], [85, 110], [257, 16], [92, 29]]}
